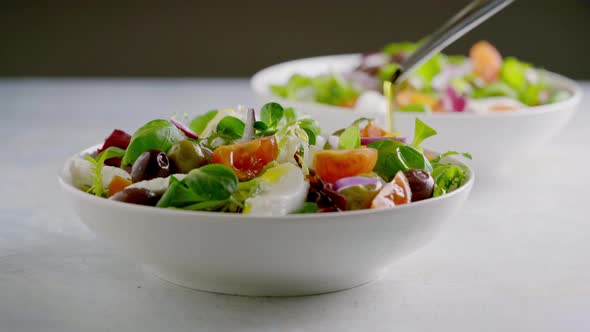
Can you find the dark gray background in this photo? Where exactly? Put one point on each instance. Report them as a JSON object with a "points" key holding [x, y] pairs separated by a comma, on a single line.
{"points": [[236, 38]]}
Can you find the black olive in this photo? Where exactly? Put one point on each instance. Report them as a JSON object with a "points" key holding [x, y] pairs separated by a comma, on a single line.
{"points": [[421, 184], [149, 165], [139, 196]]}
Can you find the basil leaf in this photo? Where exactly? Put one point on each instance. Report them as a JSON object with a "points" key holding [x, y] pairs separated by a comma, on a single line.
{"points": [[412, 158], [271, 114], [350, 138], [157, 135], [208, 183], [388, 164], [230, 128], [394, 156], [421, 132], [199, 123]]}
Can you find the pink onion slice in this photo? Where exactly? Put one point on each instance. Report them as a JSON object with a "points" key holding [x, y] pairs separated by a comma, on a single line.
{"points": [[452, 101], [207, 151], [369, 140], [354, 181], [186, 130]]}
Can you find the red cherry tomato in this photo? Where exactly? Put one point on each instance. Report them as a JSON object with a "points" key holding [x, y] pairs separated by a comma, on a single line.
{"points": [[332, 165], [247, 159]]}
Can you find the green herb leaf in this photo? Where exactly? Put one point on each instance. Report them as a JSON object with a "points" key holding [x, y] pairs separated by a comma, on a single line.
{"points": [[311, 128], [157, 134], [230, 128], [290, 115], [388, 164], [261, 126], [513, 73], [308, 207], [350, 138], [271, 114], [325, 89], [431, 68], [497, 89], [394, 156], [361, 121], [400, 47], [199, 123], [447, 177], [386, 72], [412, 158], [209, 183], [421, 132], [98, 164], [421, 108], [450, 153]]}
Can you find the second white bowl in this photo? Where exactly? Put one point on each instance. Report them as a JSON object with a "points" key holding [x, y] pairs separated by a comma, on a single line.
{"points": [[494, 139]]}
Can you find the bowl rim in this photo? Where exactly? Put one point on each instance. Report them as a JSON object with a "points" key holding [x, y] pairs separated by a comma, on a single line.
{"points": [[263, 91], [216, 216]]}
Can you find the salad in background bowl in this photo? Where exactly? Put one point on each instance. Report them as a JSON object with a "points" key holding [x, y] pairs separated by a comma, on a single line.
{"points": [[482, 82], [241, 203], [500, 108]]}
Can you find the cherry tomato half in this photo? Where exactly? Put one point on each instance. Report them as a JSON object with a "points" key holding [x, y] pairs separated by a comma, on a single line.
{"points": [[247, 159], [332, 165], [487, 61], [373, 130]]}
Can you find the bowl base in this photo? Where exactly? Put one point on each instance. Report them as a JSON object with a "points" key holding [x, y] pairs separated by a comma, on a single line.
{"points": [[282, 288]]}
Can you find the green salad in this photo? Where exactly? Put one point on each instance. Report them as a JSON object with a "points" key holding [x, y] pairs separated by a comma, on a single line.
{"points": [[482, 82], [276, 162]]}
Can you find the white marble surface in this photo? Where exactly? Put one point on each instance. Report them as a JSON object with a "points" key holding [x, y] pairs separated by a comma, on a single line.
{"points": [[516, 259]]}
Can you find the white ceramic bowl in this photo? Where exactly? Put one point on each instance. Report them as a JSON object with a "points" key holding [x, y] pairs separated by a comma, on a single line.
{"points": [[493, 139], [266, 256]]}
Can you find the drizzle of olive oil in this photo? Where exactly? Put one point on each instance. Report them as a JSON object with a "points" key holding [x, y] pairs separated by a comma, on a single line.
{"points": [[389, 92]]}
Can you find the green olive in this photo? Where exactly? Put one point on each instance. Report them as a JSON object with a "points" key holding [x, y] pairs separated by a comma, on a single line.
{"points": [[187, 155], [360, 197]]}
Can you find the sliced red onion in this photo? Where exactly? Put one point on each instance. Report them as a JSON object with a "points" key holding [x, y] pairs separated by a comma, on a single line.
{"points": [[452, 101], [249, 128], [369, 140], [186, 130], [354, 181], [362, 80]]}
